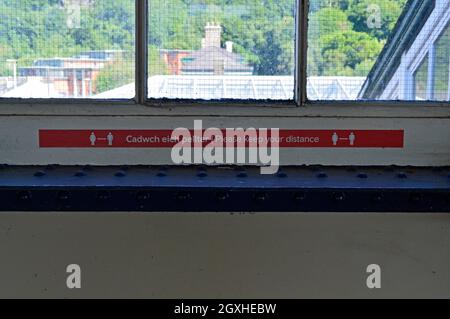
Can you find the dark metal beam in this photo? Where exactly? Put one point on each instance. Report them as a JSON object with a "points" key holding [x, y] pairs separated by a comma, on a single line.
{"points": [[194, 189]]}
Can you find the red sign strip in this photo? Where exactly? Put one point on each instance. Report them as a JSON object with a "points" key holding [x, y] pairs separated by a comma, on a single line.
{"points": [[162, 138]]}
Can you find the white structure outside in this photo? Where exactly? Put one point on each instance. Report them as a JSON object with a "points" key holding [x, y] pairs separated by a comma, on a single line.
{"points": [[402, 85], [222, 87], [241, 87], [33, 88], [334, 87]]}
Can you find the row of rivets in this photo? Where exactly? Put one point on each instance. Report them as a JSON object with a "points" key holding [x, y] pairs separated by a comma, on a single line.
{"points": [[64, 196], [204, 174]]}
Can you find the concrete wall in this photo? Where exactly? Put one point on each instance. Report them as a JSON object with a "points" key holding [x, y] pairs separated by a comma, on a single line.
{"points": [[224, 255]]}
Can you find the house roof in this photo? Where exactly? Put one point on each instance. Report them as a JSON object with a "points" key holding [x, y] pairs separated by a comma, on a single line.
{"points": [[408, 26], [204, 60]]}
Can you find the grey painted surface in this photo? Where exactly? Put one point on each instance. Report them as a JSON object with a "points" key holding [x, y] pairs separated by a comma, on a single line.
{"points": [[223, 255]]}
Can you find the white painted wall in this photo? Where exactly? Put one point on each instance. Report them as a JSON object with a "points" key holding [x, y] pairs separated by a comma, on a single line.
{"points": [[224, 256]]}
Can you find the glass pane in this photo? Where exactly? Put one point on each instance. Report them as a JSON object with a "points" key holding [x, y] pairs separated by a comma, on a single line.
{"points": [[442, 76], [67, 49], [363, 49], [222, 49], [421, 81]]}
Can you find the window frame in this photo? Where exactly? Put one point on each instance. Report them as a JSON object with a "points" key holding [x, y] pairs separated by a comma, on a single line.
{"points": [[448, 93], [427, 62], [428, 53], [300, 44], [435, 45], [301, 106]]}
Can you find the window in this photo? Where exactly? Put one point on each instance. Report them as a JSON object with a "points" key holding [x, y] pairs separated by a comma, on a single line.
{"points": [[225, 50], [67, 49], [229, 63], [222, 49], [432, 78], [442, 64], [366, 50], [345, 40]]}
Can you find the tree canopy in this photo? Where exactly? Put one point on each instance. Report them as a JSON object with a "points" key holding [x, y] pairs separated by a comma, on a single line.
{"points": [[345, 36]]}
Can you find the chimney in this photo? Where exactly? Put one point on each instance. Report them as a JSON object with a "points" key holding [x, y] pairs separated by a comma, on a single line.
{"points": [[219, 67], [229, 46], [213, 33]]}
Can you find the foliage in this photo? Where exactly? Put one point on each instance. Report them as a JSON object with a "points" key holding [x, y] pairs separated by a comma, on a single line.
{"points": [[341, 41], [361, 12], [116, 74], [346, 36]]}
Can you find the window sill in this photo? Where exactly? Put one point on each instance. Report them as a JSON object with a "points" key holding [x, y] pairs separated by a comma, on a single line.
{"points": [[328, 109]]}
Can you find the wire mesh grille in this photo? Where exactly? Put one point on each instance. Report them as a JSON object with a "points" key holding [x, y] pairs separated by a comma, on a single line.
{"points": [[66, 49], [399, 47]]}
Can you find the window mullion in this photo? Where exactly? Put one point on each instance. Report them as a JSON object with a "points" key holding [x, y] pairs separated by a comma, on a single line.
{"points": [[141, 50], [448, 96], [431, 72], [301, 45]]}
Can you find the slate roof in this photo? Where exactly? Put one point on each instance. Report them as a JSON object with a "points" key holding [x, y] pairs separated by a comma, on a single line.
{"points": [[204, 60]]}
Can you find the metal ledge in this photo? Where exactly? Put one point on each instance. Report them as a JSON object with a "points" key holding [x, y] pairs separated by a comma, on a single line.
{"points": [[224, 189]]}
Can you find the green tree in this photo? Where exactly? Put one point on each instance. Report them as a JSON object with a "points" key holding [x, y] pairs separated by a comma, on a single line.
{"points": [[348, 53], [375, 17], [346, 37], [324, 22], [116, 74], [341, 41]]}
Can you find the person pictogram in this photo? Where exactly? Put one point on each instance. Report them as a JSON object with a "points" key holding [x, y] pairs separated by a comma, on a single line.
{"points": [[352, 139], [335, 139], [110, 139], [93, 139]]}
